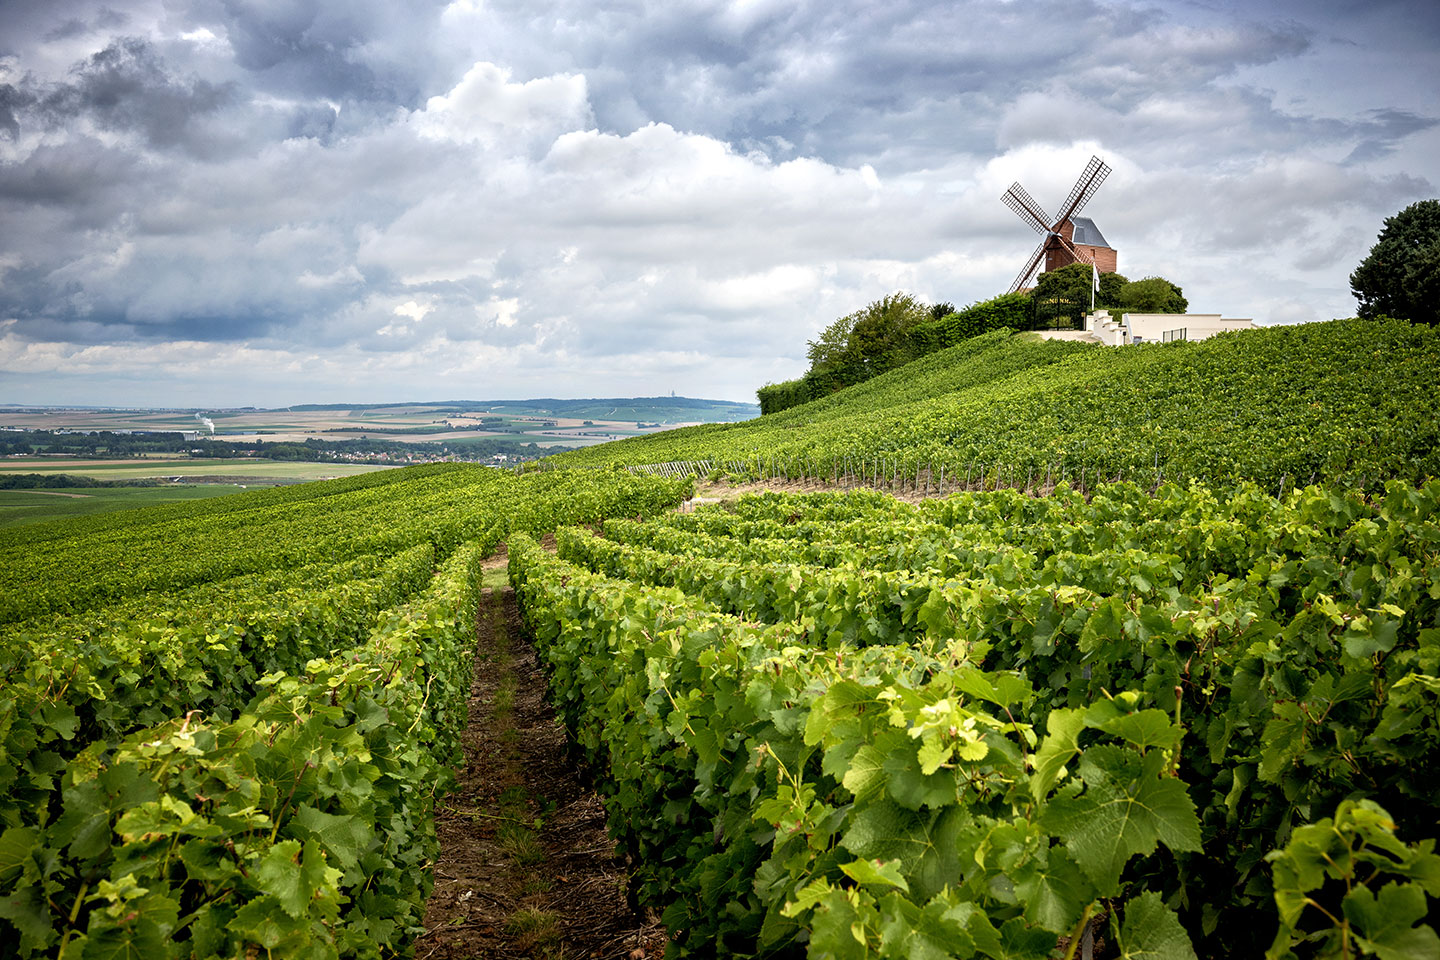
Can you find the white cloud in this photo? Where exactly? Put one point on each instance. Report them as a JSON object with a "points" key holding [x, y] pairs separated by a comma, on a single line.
{"points": [[486, 107], [415, 311]]}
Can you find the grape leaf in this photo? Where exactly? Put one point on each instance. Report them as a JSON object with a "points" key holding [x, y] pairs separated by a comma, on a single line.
{"points": [[1059, 747], [345, 836], [925, 843], [866, 776], [1385, 923], [1126, 807], [1144, 728], [875, 873], [292, 875], [1151, 931]]}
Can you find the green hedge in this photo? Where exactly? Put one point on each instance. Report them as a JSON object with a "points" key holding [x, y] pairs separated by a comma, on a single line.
{"points": [[1012, 310]]}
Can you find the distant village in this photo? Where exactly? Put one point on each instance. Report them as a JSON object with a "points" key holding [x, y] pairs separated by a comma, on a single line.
{"points": [[127, 443]]}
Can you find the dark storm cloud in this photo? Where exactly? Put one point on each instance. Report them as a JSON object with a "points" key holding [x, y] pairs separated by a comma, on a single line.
{"points": [[905, 81], [24, 21], [354, 51], [70, 28], [13, 100], [103, 19], [126, 88], [79, 177]]}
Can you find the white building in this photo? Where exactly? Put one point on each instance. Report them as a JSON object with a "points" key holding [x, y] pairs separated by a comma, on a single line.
{"points": [[1159, 327]]}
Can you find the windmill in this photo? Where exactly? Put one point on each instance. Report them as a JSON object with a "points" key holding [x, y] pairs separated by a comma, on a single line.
{"points": [[1061, 246]]}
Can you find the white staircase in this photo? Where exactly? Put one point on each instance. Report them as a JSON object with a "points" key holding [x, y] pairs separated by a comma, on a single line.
{"points": [[1109, 331]]}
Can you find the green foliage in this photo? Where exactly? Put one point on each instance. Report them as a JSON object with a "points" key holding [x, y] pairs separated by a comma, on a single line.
{"points": [[1152, 295], [888, 334], [832, 347], [967, 723], [1401, 275], [57, 567], [1346, 399], [1063, 297], [780, 771], [1012, 311], [775, 397], [197, 837], [220, 767], [1365, 890], [864, 343], [1111, 286]]}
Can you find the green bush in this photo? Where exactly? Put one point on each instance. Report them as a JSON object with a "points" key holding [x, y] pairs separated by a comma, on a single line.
{"points": [[1153, 295], [775, 397], [1112, 285], [1011, 310]]}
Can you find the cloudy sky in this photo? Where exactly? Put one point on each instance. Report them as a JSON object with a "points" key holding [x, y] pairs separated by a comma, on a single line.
{"points": [[227, 202]]}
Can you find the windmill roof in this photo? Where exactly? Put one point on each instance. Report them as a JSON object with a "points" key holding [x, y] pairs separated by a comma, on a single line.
{"points": [[1087, 233]]}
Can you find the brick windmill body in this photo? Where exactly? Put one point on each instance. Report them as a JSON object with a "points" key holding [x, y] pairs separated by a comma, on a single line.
{"points": [[1068, 238]]}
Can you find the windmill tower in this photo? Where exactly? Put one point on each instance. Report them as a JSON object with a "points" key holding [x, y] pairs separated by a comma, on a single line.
{"points": [[1068, 238]]}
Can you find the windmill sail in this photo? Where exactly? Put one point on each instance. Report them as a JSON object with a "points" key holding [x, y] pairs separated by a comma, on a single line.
{"points": [[1024, 278], [1094, 174], [1025, 207]]}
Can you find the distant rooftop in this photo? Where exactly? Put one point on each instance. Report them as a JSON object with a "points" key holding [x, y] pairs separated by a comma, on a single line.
{"points": [[1087, 233]]}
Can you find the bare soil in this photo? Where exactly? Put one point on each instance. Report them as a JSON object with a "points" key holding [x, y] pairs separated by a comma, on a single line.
{"points": [[526, 868], [711, 492]]}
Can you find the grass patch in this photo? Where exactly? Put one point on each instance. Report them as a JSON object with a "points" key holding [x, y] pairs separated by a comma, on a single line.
{"points": [[502, 705], [513, 799], [19, 507], [535, 931], [534, 885], [520, 844]]}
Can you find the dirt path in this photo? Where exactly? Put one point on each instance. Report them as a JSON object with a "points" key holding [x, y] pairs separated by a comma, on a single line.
{"points": [[526, 868]]}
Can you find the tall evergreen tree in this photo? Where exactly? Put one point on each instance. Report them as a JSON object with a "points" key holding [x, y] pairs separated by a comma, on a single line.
{"points": [[1401, 276]]}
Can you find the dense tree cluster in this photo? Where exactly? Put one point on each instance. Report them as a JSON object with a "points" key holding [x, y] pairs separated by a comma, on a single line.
{"points": [[1062, 297]]}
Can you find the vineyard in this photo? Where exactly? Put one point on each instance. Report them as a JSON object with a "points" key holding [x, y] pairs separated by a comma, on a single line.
{"points": [[1346, 400], [1148, 668], [841, 724], [225, 725]]}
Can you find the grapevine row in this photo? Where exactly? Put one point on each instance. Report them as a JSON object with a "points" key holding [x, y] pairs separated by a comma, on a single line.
{"points": [[1298, 671], [259, 771]]}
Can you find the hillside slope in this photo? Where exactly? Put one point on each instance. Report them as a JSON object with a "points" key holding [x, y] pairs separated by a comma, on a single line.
{"points": [[1344, 399]]}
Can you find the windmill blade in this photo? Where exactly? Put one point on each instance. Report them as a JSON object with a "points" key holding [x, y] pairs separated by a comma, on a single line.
{"points": [[1029, 267], [1025, 206], [1081, 256], [1095, 173]]}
